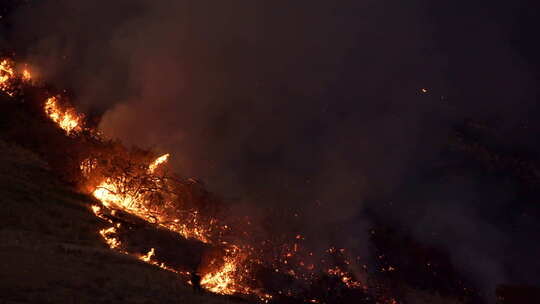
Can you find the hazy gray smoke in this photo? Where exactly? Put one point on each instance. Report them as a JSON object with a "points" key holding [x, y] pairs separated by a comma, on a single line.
{"points": [[313, 106]]}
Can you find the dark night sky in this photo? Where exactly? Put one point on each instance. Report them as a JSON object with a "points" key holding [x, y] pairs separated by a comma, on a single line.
{"points": [[283, 104]]}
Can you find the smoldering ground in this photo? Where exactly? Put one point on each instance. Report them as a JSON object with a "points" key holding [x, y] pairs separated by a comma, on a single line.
{"points": [[309, 106]]}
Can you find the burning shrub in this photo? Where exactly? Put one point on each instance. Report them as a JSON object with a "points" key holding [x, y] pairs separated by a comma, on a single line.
{"points": [[65, 117]]}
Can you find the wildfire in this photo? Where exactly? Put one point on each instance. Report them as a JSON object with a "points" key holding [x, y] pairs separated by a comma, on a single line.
{"points": [[67, 119], [134, 197], [117, 193], [140, 189], [345, 277], [6, 73], [223, 280], [109, 235], [155, 164], [228, 279], [10, 78], [110, 195], [26, 75], [148, 257]]}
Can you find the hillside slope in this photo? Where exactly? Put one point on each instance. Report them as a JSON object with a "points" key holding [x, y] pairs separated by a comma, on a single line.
{"points": [[51, 251]]}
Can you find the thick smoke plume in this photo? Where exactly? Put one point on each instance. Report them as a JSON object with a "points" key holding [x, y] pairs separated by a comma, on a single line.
{"points": [[312, 107]]}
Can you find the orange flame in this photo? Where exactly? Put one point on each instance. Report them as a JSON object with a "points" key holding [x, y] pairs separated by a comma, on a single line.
{"points": [[67, 119], [110, 237], [228, 279], [233, 272], [9, 77], [148, 257], [6, 70], [345, 277], [26, 75], [155, 164], [115, 193], [7, 73], [222, 280]]}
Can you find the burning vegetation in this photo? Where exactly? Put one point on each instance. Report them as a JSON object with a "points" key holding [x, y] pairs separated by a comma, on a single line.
{"points": [[11, 78], [65, 117], [151, 213]]}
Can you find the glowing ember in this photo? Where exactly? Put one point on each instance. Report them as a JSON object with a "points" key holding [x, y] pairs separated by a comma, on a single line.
{"points": [[7, 73], [96, 209], [87, 166], [345, 278], [148, 257], [26, 75], [67, 119], [10, 78], [109, 235], [222, 280]]}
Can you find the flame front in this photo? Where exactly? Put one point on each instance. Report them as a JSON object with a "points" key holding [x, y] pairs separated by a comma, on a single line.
{"points": [[148, 257], [345, 278], [67, 119], [110, 195], [132, 194]]}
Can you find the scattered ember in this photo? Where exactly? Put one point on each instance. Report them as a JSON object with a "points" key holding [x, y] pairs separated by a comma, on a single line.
{"points": [[345, 278], [133, 195]]}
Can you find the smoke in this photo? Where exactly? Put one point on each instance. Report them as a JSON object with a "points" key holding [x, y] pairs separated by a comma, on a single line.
{"points": [[308, 106]]}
